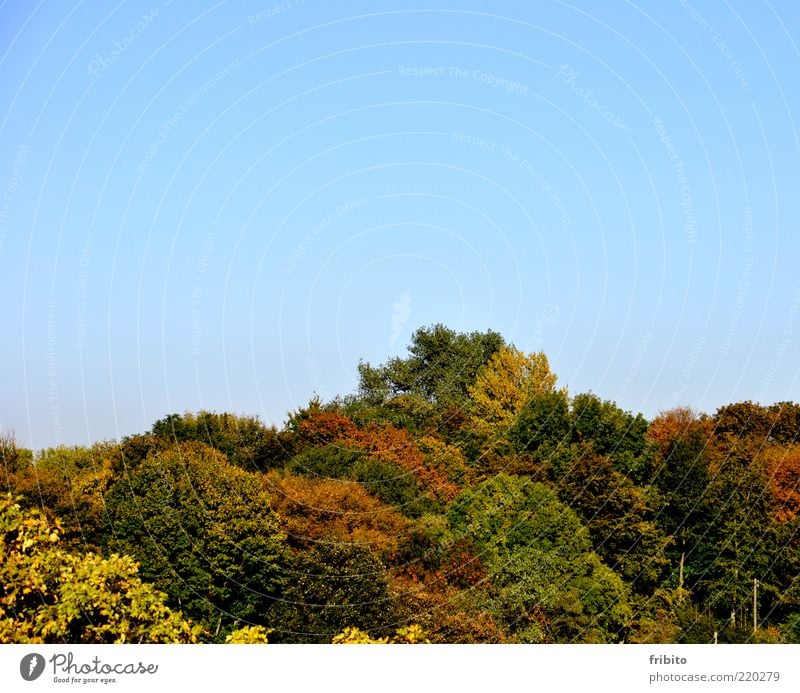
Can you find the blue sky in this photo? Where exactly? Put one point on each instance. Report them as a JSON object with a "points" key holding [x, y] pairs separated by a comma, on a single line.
{"points": [[227, 205]]}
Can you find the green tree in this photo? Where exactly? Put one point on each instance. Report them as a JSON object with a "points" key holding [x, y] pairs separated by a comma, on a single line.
{"points": [[543, 425], [203, 533], [332, 587], [743, 419], [245, 440], [619, 516], [440, 367], [48, 595], [613, 432], [548, 584], [384, 479], [682, 477], [742, 541], [412, 412], [791, 629]]}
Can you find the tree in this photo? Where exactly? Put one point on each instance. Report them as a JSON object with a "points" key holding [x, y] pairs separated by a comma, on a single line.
{"points": [[406, 635], [791, 629], [505, 385], [440, 367], [203, 533], [447, 459], [395, 446], [779, 423], [249, 635], [69, 483], [386, 459], [613, 432], [550, 586], [317, 425], [13, 459], [742, 540], [332, 587], [48, 595], [543, 425], [441, 583], [447, 613], [382, 478], [682, 442], [411, 412], [549, 424], [783, 470], [619, 516], [313, 511], [675, 425], [785, 422], [135, 449], [245, 440]]}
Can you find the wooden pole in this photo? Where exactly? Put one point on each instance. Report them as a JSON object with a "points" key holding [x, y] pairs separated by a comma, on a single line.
{"points": [[755, 605]]}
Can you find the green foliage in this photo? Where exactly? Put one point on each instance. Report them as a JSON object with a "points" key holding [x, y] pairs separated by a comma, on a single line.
{"points": [[392, 484], [203, 533], [654, 619], [441, 365], [741, 541], [550, 586], [791, 629], [613, 432], [701, 628], [133, 450], [244, 440], [332, 587], [543, 425], [508, 512], [48, 595], [549, 423], [778, 423], [385, 480], [695, 626], [331, 461], [410, 412], [686, 512], [458, 491], [619, 516]]}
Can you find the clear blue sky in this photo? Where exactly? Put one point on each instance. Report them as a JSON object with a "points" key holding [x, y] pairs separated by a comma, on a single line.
{"points": [[226, 206]]}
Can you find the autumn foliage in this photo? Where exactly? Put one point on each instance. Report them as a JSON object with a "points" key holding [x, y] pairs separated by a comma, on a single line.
{"points": [[458, 496], [783, 469], [332, 510]]}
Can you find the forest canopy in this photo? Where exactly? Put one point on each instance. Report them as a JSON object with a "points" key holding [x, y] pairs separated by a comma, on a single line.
{"points": [[461, 494]]}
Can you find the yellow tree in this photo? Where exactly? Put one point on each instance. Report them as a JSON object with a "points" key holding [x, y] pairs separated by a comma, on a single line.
{"points": [[505, 385], [407, 635], [48, 595]]}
